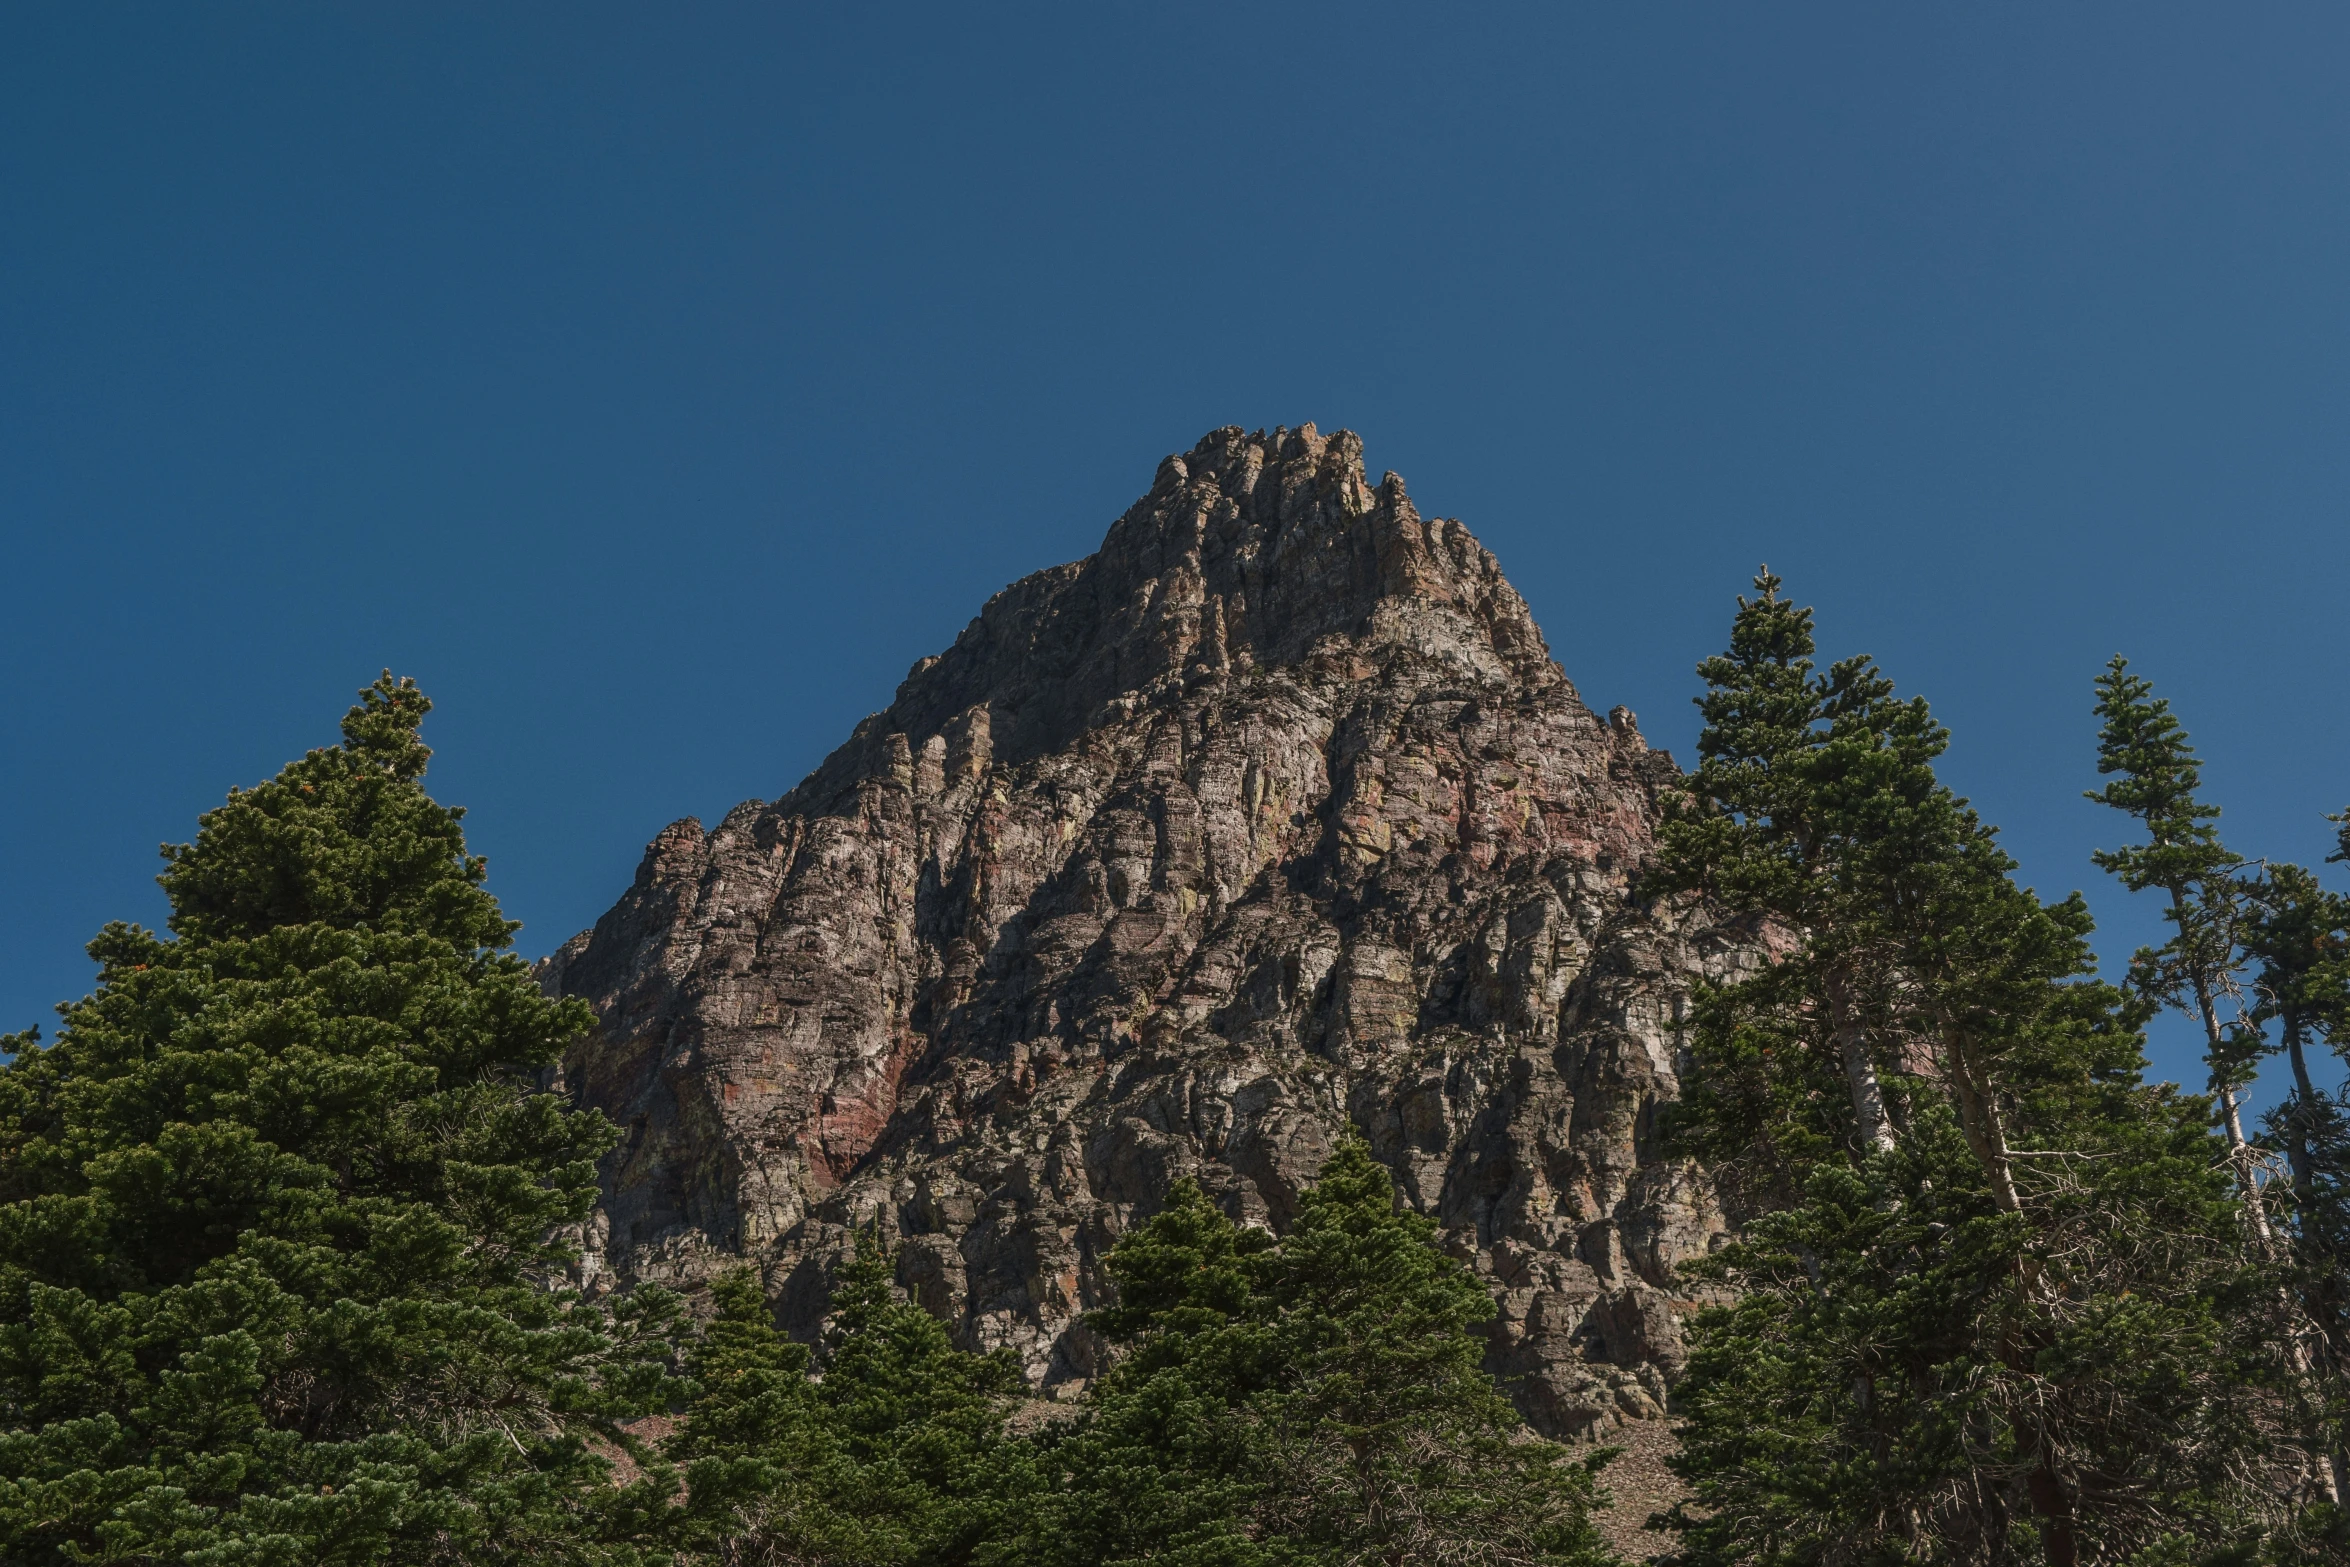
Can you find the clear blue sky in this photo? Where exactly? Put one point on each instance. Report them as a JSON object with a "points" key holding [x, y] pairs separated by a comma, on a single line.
{"points": [[657, 383]]}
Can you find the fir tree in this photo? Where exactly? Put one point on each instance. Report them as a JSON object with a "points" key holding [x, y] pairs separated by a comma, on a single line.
{"points": [[2298, 936], [920, 1420], [2223, 920], [752, 1440], [1815, 811], [276, 1276], [2157, 777], [1167, 1463], [1992, 1330], [1316, 1400], [1786, 753], [896, 1455]]}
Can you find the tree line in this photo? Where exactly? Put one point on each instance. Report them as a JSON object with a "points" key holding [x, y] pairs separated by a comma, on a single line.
{"points": [[287, 1229]]}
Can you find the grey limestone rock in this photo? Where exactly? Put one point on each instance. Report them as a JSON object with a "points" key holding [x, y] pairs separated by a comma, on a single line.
{"points": [[1272, 816]]}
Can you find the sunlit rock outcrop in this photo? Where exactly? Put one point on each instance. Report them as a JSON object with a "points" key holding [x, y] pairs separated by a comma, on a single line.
{"points": [[1271, 816]]}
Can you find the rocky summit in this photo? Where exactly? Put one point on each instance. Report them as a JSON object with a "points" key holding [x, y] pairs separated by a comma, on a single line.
{"points": [[1272, 816]]}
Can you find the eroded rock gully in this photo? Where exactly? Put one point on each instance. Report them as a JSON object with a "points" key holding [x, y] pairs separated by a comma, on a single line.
{"points": [[1271, 816]]}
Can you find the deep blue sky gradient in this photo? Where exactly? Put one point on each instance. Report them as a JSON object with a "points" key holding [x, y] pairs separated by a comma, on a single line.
{"points": [[657, 384]]}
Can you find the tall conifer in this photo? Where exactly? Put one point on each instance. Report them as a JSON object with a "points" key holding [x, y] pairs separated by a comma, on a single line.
{"points": [[1995, 1333], [278, 1281], [2157, 779], [1766, 837], [2297, 934]]}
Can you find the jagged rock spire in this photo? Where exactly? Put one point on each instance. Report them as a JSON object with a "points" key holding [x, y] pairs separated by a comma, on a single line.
{"points": [[1271, 815]]}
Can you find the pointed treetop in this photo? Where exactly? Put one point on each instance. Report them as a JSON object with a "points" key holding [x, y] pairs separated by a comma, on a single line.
{"points": [[862, 1291], [2158, 781], [383, 726], [1768, 628], [2142, 740], [1351, 1184], [346, 836]]}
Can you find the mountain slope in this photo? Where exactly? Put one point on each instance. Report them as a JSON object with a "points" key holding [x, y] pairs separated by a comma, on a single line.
{"points": [[1271, 815]]}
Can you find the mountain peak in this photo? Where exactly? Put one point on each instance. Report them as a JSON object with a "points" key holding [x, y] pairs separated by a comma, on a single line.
{"points": [[1270, 817], [1248, 552]]}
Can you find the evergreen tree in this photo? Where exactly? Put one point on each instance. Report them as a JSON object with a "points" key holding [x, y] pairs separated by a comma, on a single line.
{"points": [[1815, 811], [276, 1276], [750, 1440], [1167, 1463], [2224, 919], [896, 1455], [1767, 827], [1316, 1400], [2156, 780], [1984, 1325], [2298, 935], [921, 1420]]}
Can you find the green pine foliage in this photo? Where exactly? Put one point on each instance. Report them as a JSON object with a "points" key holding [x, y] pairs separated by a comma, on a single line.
{"points": [[1909, 1372], [277, 1276], [1993, 1305], [749, 1435], [2252, 949], [2156, 780], [1316, 1399], [895, 1455], [920, 1421], [1814, 792], [1166, 1464], [2297, 936]]}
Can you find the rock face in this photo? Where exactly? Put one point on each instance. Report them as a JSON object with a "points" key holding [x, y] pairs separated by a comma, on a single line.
{"points": [[1272, 816]]}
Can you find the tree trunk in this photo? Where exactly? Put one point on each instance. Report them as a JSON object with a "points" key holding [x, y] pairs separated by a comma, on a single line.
{"points": [[2298, 1150], [2231, 1115], [1860, 1071], [2247, 1174], [2335, 1481], [1978, 1118], [2055, 1508], [1868, 1095]]}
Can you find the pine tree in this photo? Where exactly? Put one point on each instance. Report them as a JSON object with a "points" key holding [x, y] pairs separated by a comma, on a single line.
{"points": [[921, 1420], [752, 1442], [2298, 935], [1991, 1330], [1316, 1400], [1168, 1463], [1391, 1441], [2198, 970], [895, 1455], [276, 1276], [1815, 811], [1785, 754], [2224, 918]]}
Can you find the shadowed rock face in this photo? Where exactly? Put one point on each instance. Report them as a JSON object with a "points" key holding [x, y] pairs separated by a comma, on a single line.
{"points": [[1271, 816]]}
